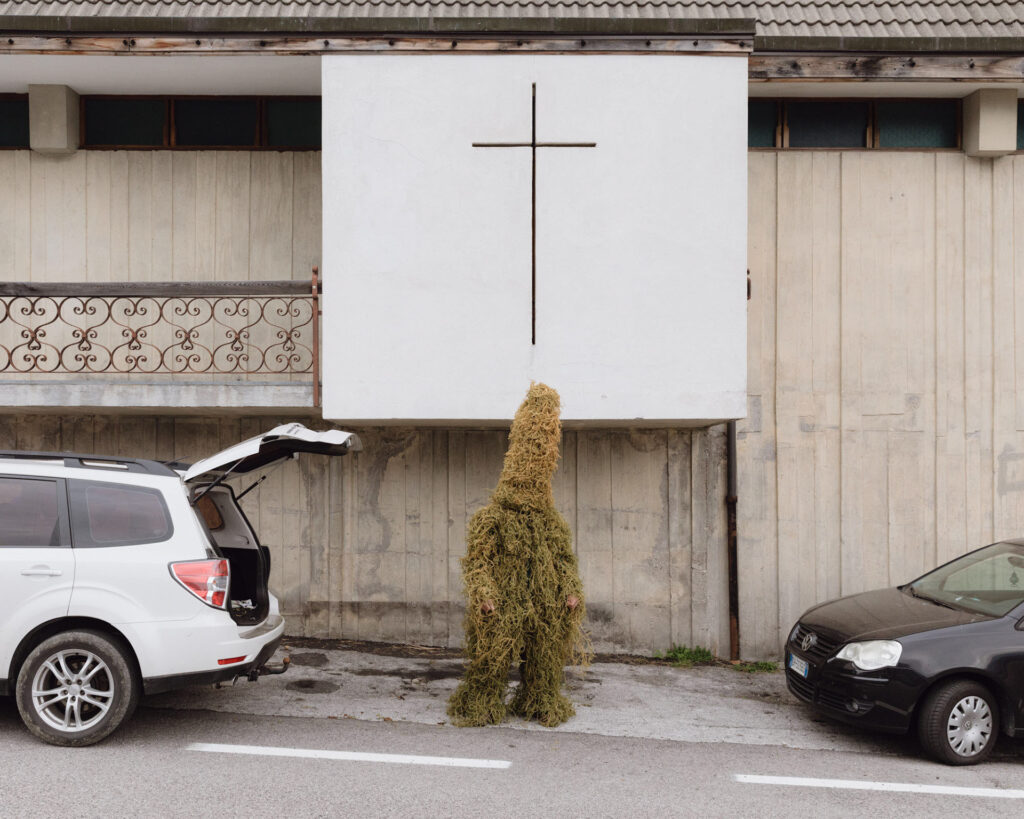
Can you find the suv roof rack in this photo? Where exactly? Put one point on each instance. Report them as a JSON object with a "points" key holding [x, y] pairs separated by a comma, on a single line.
{"points": [[78, 460]]}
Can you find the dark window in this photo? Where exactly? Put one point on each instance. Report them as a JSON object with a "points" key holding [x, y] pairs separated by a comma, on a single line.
{"points": [[293, 123], [1020, 126], [827, 124], [197, 123], [216, 122], [918, 124], [125, 122], [762, 120], [14, 121], [115, 514], [858, 123], [29, 513]]}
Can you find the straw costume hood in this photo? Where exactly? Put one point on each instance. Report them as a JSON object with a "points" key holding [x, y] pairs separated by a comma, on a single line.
{"points": [[524, 596]]}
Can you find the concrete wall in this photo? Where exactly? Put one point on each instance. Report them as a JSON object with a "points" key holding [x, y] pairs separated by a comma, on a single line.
{"points": [[368, 546], [885, 432], [96, 216]]}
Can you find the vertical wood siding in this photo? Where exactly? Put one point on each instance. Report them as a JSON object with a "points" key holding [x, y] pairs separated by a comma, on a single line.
{"points": [[368, 546], [885, 433], [99, 216]]}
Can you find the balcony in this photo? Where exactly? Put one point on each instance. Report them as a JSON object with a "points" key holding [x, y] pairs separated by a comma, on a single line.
{"points": [[246, 345]]}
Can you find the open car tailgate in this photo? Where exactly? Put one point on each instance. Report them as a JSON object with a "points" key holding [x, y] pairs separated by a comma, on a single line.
{"points": [[278, 444]]}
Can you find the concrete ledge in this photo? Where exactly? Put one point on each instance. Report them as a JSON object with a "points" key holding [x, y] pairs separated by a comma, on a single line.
{"points": [[165, 396]]}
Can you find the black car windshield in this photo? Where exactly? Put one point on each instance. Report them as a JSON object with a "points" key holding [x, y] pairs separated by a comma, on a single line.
{"points": [[988, 581]]}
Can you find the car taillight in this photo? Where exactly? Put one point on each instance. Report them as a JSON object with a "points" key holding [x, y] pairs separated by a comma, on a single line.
{"points": [[206, 579]]}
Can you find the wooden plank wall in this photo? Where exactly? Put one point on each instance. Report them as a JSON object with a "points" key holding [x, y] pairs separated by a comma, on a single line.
{"points": [[368, 547], [885, 433], [97, 216]]}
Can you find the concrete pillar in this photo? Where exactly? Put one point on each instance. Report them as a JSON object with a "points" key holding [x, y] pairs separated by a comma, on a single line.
{"points": [[990, 122], [52, 119]]}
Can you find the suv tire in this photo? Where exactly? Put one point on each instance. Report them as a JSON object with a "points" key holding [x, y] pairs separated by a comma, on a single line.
{"points": [[959, 723], [76, 688]]}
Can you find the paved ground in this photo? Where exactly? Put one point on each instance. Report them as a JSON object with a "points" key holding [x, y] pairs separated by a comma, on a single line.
{"points": [[647, 741], [702, 704]]}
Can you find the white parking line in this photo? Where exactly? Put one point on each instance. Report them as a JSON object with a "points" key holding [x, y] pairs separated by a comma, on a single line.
{"points": [[896, 787], [349, 756]]}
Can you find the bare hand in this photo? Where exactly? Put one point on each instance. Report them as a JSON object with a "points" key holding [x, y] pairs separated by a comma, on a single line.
{"points": [[572, 601], [487, 606]]}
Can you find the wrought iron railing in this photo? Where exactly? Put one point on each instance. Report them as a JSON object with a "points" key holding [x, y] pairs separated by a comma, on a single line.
{"points": [[217, 328]]}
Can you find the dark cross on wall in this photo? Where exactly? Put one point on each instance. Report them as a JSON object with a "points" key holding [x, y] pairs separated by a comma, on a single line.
{"points": [[533, 145]]}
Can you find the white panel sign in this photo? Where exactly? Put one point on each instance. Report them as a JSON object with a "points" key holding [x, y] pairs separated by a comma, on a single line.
{"points": [[492, 220]]}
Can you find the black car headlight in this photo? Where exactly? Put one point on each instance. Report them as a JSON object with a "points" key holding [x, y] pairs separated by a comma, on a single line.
{"points": [[872, 655]]}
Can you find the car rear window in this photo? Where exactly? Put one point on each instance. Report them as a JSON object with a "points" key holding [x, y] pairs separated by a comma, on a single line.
{"points": [[29, 513], [114, 514]]}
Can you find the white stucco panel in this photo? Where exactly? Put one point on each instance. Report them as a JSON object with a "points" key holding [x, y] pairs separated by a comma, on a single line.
{"points": [[640, 241]]}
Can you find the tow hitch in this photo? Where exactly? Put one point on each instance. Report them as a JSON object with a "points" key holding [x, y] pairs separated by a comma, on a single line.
{"points": [[262, 671], [267, 668]]}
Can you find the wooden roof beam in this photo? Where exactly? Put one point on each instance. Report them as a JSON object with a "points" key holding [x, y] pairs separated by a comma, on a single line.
{"points": [[374, 44], [903, 67]]}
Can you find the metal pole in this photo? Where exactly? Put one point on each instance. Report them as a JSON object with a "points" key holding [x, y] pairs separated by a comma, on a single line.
{"points": [[732, 537]]}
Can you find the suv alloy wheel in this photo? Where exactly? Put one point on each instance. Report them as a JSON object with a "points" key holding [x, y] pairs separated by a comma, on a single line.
{"points": [[76, 688]]}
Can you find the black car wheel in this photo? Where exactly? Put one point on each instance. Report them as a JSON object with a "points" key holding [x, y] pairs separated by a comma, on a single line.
{"points": [[959, 722], [76, 688]]}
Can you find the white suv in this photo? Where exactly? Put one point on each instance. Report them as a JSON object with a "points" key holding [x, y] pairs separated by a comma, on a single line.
{"points": [[122, 577]]}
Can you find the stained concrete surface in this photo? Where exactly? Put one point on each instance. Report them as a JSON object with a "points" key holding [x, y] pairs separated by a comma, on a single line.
{"points": [[616, 699]]}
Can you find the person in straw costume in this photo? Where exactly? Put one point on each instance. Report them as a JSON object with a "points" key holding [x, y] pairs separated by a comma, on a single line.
{"points": [[524, 598]]}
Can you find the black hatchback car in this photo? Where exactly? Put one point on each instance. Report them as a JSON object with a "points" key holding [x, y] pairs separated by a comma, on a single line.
{"points": [[943, 655]]}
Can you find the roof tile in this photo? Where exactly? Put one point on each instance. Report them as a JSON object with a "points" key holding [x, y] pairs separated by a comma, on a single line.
{"points": [[775, 18]]}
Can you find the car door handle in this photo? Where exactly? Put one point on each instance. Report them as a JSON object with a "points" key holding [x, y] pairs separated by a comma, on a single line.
{"points": [[42, 571]]}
